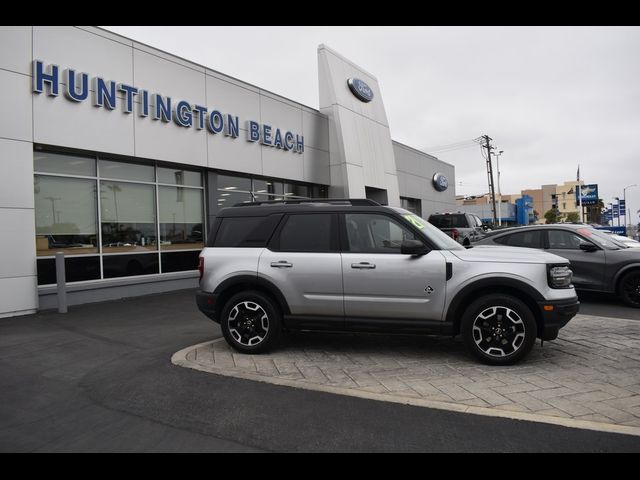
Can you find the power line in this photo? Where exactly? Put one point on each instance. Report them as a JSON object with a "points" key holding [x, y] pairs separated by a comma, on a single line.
{"points": [[450, 146]]}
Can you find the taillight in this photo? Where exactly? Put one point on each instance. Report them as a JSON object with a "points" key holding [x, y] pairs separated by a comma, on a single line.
{"points": [[201, 267], [454, 234]]}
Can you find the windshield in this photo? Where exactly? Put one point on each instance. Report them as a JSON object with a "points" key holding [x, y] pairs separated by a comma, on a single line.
{"points": [[438, 237]]}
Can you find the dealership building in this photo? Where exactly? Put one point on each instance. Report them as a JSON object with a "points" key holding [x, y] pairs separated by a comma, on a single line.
{"points": [[120, 155]]}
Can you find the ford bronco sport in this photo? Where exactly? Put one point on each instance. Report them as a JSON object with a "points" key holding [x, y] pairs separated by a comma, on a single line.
{"points": [[354, 265]]}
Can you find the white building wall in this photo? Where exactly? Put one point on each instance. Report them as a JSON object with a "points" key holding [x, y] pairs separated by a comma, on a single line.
{"points": [[415, 173], [361, 150], [18, 281]]}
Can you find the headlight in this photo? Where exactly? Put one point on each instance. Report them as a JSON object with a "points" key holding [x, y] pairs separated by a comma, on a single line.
{"points": [[559, 276]]}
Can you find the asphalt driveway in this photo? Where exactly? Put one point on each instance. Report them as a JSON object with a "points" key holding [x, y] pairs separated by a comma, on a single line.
{"points": [[100, 379]]}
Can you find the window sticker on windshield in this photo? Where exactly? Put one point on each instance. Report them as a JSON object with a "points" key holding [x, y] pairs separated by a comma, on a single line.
{"points": [[415, 221]]}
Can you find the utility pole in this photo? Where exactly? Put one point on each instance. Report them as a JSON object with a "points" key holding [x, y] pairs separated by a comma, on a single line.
{"points": [[492, 192]]}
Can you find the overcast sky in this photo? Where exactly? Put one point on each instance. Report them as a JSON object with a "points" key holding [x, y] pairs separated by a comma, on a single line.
{"points": [[550, 97]]}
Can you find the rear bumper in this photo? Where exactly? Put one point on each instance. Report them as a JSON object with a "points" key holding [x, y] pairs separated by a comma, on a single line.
{"points": [[555, 315], [207, 303]]}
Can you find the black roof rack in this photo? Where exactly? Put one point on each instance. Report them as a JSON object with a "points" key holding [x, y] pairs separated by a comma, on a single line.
{"points": [[355, 202]]}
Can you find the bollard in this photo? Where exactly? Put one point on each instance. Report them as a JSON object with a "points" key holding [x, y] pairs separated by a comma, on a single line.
{"points": [[61, 281]]}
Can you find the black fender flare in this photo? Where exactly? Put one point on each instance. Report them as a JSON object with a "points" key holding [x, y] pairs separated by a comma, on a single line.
{"points": [[520, 289], [252, 281]]}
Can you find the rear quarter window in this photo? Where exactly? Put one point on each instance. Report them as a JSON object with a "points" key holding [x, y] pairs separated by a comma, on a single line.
{"points": [[245, 231]]}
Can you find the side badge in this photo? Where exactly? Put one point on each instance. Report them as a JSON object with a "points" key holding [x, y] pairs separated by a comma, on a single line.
{"points": [[428, 289]]}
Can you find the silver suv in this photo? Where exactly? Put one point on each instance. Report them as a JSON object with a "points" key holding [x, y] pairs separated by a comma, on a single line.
{"points": [[353, 265]]}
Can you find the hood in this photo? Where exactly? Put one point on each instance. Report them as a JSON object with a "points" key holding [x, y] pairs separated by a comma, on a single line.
{"points": [[499, 254]]}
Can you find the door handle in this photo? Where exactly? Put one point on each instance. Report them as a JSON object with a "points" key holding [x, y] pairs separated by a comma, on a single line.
{"points": [[363, 265], [281, 264]]}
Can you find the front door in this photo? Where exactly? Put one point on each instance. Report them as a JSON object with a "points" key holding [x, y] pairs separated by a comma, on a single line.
{"points": [[379, 281], [587, 266]]}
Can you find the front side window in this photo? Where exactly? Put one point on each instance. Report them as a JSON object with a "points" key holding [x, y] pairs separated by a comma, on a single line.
{"points": [[564, 240], [374, 233]]}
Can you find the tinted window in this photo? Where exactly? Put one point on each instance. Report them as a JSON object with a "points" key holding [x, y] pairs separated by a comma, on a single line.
{"points": [[564, 240], [245, 231], [372, 233], [307, 233], [531, 239], [448, 221]]}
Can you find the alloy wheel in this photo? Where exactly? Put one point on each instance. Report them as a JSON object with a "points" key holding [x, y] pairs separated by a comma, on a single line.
{"points": [[248, 323], [631, 288], [498, 331]]}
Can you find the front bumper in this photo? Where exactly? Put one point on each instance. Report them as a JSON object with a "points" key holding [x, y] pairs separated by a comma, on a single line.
{"points": [[207, 303], [555, 315]]}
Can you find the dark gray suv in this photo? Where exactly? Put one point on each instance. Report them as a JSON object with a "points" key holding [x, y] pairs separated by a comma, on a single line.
{"points": [[599, 263]]}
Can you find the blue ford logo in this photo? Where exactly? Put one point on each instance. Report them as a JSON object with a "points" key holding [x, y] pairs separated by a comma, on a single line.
{"points": [[440, 182], [361, 90]]}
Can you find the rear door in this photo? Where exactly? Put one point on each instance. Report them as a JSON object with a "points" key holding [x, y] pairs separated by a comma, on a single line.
{"points": [[303, 261]]}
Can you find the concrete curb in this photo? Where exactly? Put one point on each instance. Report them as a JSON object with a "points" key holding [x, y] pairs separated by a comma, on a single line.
{"points": [[180, 359]]}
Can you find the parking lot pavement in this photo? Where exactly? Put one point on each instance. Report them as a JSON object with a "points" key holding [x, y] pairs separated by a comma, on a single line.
{"points": [[589, 377]]}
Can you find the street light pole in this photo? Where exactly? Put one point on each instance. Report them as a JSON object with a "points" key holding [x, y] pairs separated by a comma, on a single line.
{"points": [[624, 196], [499, 192]]}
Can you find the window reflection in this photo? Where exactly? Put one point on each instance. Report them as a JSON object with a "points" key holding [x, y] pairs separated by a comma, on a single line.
{"points": [[177, 176], [128, 217], [65, 211], [126, 171], [181, 216]]}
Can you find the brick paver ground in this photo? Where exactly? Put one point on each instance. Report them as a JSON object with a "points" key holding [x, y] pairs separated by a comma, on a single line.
{"points": [[591, 372]]}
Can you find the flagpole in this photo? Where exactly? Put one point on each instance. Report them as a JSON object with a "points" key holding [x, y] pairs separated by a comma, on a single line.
{"points": [[580, 196]]}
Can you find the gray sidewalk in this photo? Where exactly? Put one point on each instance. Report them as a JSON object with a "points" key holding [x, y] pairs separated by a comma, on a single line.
{"points": [[588, 378]]}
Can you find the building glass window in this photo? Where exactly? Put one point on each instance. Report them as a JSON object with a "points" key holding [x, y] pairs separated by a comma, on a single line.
{"points": [[181, 215], [232, 190], [128, 217], [74, 194], [177, 176], [65, 210], [414, 205], [64, 164], [126, 171]]}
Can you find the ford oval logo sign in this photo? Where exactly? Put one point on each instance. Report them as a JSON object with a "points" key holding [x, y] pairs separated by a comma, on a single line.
{"points": [[440, 182], [361, 90]]}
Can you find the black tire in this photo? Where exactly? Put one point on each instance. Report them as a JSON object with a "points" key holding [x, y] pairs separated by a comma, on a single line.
{"points": [[498, 329], [251, 322], [629, 289]]}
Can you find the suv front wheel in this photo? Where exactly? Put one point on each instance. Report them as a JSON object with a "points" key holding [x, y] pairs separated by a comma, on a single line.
{"points": [[498, 329], [251, 322]]}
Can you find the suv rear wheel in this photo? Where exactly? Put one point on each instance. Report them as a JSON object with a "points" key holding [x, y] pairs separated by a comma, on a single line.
{"points": [[498, 329], [251, 322]]}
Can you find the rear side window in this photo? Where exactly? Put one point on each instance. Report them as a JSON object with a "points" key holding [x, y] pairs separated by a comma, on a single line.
{"points": [[448, 221], [308, 233], [245, 231], [532, 239]]}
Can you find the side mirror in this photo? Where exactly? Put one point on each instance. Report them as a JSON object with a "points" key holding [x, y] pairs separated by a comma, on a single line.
{"points": [[413, 247], [485, 227], [588, 247]]}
